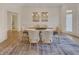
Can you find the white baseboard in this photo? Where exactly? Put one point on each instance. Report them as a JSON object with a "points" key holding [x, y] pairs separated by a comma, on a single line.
{"points": [[72, 34]]}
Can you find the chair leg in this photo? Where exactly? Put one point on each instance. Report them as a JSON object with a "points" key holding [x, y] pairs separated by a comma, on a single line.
{"points": [[30, 46], [37, 47]]}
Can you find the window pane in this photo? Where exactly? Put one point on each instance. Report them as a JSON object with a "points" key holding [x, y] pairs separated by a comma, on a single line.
{"points": [[69, 22]]}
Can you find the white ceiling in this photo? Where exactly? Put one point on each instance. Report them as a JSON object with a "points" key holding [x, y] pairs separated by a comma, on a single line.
{"points": [[43, 4], [37, 4]]}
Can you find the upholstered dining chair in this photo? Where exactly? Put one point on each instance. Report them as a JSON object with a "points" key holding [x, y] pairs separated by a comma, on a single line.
{"points": [[47, 36], [25, 37], [34, 37]]}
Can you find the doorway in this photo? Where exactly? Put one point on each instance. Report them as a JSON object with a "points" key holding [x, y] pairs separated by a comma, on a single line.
{"points": [[12, 21]]}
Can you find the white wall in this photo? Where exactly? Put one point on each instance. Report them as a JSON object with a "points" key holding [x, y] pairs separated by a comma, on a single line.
{"points": [[2, 26], [53, 15], [77, 21], [4, 21]]}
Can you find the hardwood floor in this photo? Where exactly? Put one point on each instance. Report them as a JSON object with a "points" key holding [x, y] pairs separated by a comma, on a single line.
{"points": [[12, 37], [60, 46]]}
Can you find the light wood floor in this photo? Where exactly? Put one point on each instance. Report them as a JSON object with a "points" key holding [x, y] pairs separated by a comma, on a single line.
{"points": [[12, 38]]}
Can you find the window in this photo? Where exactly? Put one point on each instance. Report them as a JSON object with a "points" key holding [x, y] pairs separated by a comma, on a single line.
{"points": [[69, 20]]}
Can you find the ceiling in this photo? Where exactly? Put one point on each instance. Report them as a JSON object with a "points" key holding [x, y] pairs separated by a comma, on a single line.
{"points": [[37, 4], [43, 4]]}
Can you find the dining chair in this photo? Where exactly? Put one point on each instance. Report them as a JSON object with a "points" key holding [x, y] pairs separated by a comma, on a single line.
{"points": [[47, 36], [25, 39], [34, 37]]}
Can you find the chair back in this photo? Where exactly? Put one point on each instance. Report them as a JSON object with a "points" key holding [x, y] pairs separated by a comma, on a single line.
{"points": [[33, 36], [47, 36]]}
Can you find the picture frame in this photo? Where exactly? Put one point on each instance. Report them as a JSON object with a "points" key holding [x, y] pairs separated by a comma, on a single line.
{"points": [[35, 17], [44, 16]]}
